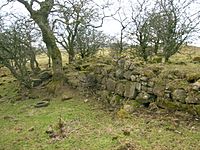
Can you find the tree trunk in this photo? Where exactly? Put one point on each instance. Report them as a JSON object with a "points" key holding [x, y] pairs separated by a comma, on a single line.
{"points": [[33, 63], [71, 54], [50, 41], [41, 18]]}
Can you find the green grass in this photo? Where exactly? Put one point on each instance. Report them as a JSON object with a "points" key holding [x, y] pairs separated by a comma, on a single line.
{"points": [[91, 128]]}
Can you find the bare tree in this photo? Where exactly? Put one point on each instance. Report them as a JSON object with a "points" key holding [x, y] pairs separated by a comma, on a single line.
{"points": [[175, 26], [75, 14], [14, 53], [89, 41], [124, 21], [72, 14], [27, 27], [140, 27], [162, 28], [40, 16]]}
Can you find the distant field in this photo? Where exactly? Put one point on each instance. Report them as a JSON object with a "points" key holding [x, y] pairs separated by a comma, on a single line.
{"points": [[186, 55]]}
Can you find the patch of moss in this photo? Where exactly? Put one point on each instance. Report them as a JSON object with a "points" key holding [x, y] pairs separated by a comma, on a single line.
{"points": [[149, 73], [178, 83], [116, 100], [122, 114], [135, 104], [192, 109], [192, 77]]}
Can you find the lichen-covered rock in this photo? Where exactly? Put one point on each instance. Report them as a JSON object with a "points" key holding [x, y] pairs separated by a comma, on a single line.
{"points": [[135, 72], [127, 75], [173, 106], [128, 108], [133, 78], [107, 70], [121, 63], [138, 86], [110, 85], [119, 74], [144, 83], [192, 100], [120, 88], [145, 79], [196, 86], [130, 90], [143, 98], [127, 65], [151, 84], [179, 95], [132, 66], [159, 90]]}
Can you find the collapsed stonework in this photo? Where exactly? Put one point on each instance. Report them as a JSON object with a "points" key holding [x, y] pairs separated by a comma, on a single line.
{"points": [[124, 79]]}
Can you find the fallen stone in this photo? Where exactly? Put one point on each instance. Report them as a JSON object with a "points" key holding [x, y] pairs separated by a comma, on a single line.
{"points": [[50, 130], [128, 108], [36, 82], [41, 104], [65, 98], [31, 129]]}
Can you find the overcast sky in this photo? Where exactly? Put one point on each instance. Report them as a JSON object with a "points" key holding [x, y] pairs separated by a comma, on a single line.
{"points": [[110, 25]]}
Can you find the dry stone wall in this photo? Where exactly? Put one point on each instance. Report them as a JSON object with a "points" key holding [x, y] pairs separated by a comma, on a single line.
{"points": [[128, 80]]}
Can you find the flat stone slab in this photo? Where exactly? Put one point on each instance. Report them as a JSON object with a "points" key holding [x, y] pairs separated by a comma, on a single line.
{"points": [[41, 104]]}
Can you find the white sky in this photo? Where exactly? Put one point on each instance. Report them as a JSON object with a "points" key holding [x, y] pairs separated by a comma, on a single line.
{"points": [[110, 26]]}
